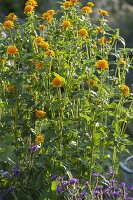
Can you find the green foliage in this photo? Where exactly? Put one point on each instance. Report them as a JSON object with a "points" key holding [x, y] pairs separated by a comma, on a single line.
{"points": [[64, 101]]}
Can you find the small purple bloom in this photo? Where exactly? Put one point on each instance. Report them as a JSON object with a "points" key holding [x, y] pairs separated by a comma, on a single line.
{"points": [[116, 194], [99, 187], [74, 181], [86, 183], [83, 194], [130, 187], [122, 184], [10, 188], [6, 175], [34, 148], [17, 172], [96, 174], [96, 193], [65, 183], [73, 191], [54, 177], [59, 189], [3, 34]]}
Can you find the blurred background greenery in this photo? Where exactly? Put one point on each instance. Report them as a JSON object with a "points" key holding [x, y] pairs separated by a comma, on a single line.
{"points": [[121, 12]]}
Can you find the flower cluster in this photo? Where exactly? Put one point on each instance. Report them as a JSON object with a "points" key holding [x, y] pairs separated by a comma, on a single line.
{"points": [[100, 189]]}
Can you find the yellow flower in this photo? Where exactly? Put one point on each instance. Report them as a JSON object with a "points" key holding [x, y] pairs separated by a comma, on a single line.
{"points": [[102, 64], [10, 88], [99, 29], [57, 81], [42, 27], [8, 24], [51, 12], [40, 113], [66, 24], [31, 3], [104, 12], [83, 32], [46, 16], [73, 1], [28, 9], [39, 40], [67, 4], [39, 138], [11, 17], [125, 90], [12, 50], [102, 41], [50, 53], [87, 9], [38, 65], [92, 82], [90, 4], [121, 62], [45, 45]]}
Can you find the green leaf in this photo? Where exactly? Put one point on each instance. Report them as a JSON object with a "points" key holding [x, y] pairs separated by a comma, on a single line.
{"points": [[54, 185]]}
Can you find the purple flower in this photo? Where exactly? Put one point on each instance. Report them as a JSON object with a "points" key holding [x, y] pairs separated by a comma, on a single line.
{"points": [[96, 174], [10, 188], [6, 175], [116, 194], [99, 187], [83, 194], [73, 191], [129, 198], [65, 183], [17, 172], [34, 148], [74, 181], [3, 34], [59, 189], [54, 177], [130, 187], [122, 184], [86, 183], [96, 192]]}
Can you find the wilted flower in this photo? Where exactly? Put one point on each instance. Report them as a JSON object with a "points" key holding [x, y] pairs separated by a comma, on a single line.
{"points": [[125, 90], [10, 88], [50, 53], [11, 17]]}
